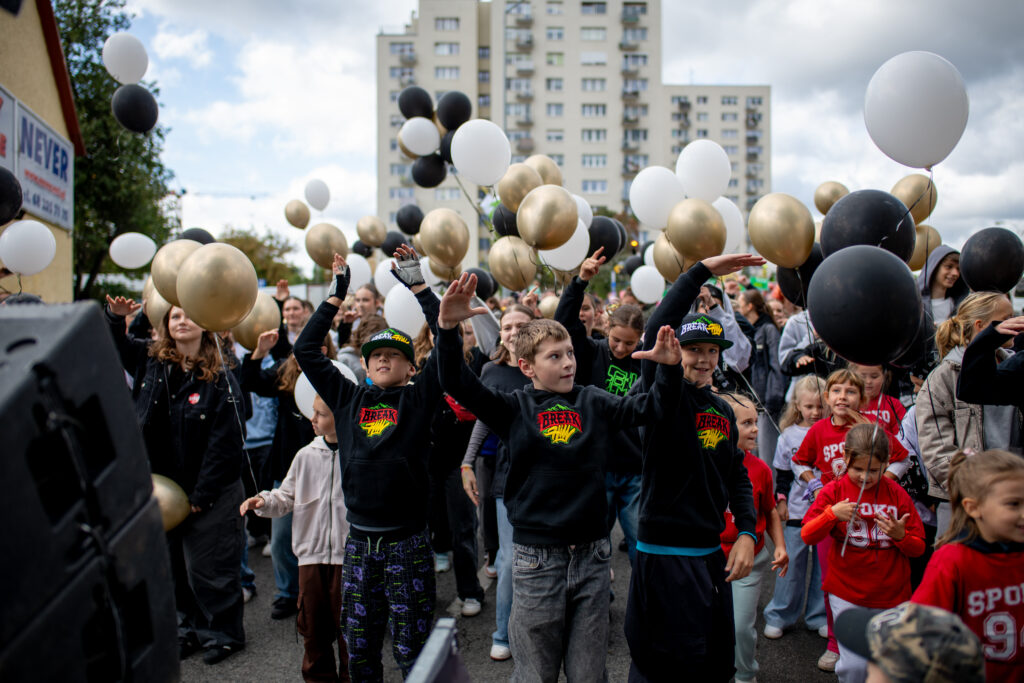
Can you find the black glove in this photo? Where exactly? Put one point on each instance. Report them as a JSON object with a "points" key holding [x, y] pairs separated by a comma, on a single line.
{"points": [[339, 285], [408, 271]]}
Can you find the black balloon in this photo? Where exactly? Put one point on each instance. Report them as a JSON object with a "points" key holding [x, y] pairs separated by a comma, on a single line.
{"points": [[198, 235], [363, 250], [505, 222], [922, 344], [10, 196], [415, 101], [632, 263], [604, 233], [409, 218], [392, 241], [869, 217], [484, 283], [429, 171], [992, 260], [864, 303], [446, 146], [794, 281], [454, 109], [135, 108], [623, 235]]}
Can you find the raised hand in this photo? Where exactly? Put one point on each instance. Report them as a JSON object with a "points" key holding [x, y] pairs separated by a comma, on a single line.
{"points": [[1012, 326], [122, 306], [730, 263], [265, 342], [339, 285], [282, 292], [666, 348], [591, 265], [457, 302], [406, 268]]}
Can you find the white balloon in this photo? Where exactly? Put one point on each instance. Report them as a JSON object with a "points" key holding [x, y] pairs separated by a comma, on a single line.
{"points": [[703, 168], [481, 151], [653, 193], [318, 194], [402, 311], [27, 247], [647, 284], [570, 254], [358, 271], [420, 136], [125, 58], [916, 108], [428, 274], [649, 255], [583, 210], [735, 233], [132, 250], [305, 393], [383, 278]]}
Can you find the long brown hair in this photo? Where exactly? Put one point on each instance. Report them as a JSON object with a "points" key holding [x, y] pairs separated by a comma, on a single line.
{"points": [[972, 477], [867, 439], [206, 365], [755, 299], [502, 355], [959, 329], [289, 371]]}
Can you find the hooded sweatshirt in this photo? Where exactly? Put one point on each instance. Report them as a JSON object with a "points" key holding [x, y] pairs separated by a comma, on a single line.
{"points": [[954, 295]]}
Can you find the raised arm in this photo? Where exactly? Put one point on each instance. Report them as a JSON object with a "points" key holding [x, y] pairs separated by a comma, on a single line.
{"points": [[568, 313], [984, 382], [647, 407], [132, 350]]}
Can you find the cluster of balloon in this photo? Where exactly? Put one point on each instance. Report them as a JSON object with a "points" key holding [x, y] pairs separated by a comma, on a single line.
{"points": [[548, 305], [869, 217], [925, 242], [323, 241], [793, 282], [992, 260], [608, 233], [132, 250], [409, 218], [427, 134], [167, 264], [154, 306], [27, 247], [126, 60], [485, 283], [632, 263], [512, 262], [827, 194], [297, 213], [781, 229], [444, 236], [669, 262], [318, 195]]}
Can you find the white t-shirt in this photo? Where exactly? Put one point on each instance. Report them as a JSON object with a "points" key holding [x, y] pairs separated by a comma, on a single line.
{"points": [[942, 310]]}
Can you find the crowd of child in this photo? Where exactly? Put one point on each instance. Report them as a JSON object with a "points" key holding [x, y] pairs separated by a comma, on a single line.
{"points": [[596, 418]]}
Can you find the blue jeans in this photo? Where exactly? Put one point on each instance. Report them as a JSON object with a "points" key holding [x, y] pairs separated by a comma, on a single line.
{"points": [[624, 502], [788, 602], [503, 564], [286, 565], [560, 611]]}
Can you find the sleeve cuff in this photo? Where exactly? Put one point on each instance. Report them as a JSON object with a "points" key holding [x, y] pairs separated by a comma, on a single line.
{"points": [[748, 533]]}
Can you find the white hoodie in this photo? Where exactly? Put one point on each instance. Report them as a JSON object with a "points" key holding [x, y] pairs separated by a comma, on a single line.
{"points": [[312, 491]]}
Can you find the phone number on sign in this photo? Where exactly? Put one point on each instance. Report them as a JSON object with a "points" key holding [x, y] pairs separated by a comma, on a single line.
{"points": [[46, 207]]}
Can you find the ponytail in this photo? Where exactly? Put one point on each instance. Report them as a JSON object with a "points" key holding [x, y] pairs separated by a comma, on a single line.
{"points": [[972, 476], [959, 329]]}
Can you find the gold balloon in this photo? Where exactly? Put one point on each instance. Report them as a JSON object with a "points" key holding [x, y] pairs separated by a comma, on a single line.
{"points": [[417, 244], [547, 217], [405, 150], [444, 272], [512, 262], [445, 237], [166, 264], [217, 286], [371, 230], [264, 317], [696, 229], [669, 262], [297, 213], [927, 239], [828, 193], [918, 193], [546, 167], [154, 306], [323, 240], [548, 305], [781, 229], [174, 504], [517, 182]]}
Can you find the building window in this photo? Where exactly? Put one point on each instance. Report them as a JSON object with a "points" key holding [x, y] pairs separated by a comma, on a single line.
{"points": [[680, 134], [555, 33], [594, 84], [702, 116], [734, 182], [634, 84], [517, 84], [730, 100], [400, 72], [730, 116], [634, 35], [680, 99], [635, 111], [514, 135], [446, 194], [559, 159], [483, 100], [755, 169], [754, 101], [635, 162], [398, 169], [393, 95], [730, 134], [555, 59], [593, 7], [555, 7], [446, 24], [402, 49], [594, 135], [446, 49], [483, 52], [702, 99], [553, 84], [702, 132], [517, 109], [555, 135], [593, 58], [592, 110], [400, 193], [593, 33], [594, 161], [636, 134], [731, 150], [595, 186], [393, 144], [634, 9], [446, 73], [397, 120], [635, 60], [555, 109], [484, 76]]}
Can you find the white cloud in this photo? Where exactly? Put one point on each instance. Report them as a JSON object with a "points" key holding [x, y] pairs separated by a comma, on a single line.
{"points": [[190, 46]]}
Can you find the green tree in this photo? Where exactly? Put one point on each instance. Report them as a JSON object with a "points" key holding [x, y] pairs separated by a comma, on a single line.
{"points": [[267, 253], [120, 184]]}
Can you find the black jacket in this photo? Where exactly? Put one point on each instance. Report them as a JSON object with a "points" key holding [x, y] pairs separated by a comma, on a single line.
{"points": [[293, 430], [501, 379], [195, 433], [596, 366], [693, 469], [765, 373], [982, 381], [558, 445], [384, 432]]}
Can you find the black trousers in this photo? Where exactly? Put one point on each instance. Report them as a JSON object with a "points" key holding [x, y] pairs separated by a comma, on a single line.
{"points": [[453, 527], [259, 460], [206, 552], [679, 622]]}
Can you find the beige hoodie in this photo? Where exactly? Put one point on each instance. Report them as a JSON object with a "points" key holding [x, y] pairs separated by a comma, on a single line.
{"points": [[312, 491]]}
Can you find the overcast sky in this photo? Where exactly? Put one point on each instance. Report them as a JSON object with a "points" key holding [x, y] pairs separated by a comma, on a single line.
{"points": [[262, 95]]}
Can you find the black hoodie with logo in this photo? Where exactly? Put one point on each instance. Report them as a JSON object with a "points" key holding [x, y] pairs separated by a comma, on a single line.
{"points": [[693, 470], [558, 444]]}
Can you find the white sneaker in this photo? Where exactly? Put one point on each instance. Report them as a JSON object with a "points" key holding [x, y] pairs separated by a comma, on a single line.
{"points": [[470, 607], [441, 562], [827, 662], [491, 571], [266, 550], [500, 653], [823, 631], [248, 593], [772, 632]]}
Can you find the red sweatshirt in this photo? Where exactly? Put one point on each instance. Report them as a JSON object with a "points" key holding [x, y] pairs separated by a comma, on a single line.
{"points": [[985, 588], [875, 572], [890, 415], [823, 447], [764, 502]]}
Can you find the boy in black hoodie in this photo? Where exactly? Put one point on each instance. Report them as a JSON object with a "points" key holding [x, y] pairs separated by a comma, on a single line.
{"points": [[388, 573], [558, 436], [679, 616]]}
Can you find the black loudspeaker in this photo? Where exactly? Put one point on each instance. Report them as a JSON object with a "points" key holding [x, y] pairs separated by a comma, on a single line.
{"points": [[85, 569]]}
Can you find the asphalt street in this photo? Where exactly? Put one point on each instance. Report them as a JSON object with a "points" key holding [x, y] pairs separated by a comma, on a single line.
{"points": [[274, 649]]}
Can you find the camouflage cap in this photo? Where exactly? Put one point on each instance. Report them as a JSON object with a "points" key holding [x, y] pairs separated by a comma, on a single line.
{"points": [[914, 643], [698, 329]]}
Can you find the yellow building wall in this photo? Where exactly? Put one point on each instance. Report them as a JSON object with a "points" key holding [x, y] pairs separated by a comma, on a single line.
{"points": [[26, 73]]}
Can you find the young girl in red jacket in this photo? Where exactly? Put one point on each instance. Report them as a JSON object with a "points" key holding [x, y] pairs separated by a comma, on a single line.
{"points": [[977, 571], [875, 529]]}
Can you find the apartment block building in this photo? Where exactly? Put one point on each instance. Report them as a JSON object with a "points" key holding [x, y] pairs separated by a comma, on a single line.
{"points": [[578, 80]]}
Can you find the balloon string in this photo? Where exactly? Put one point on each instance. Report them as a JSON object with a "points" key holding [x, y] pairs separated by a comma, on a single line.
{"points": [[479, 211], [235, 400], [864, 481], [810, 330]]}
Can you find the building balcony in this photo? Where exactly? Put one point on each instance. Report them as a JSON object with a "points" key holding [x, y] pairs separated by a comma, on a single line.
{"points": [[524, 145], [630, 120], [684, 105], [629, 170], [753, 140], [630, 18], [628, 45], [630, 145], [407, 80], [408, 58], [630, 95], [524, 95], [629, 70], [524, 68], [524, 121], [753, 154], [684, 122], [752, 173], [524, 42], [524, 20]]}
